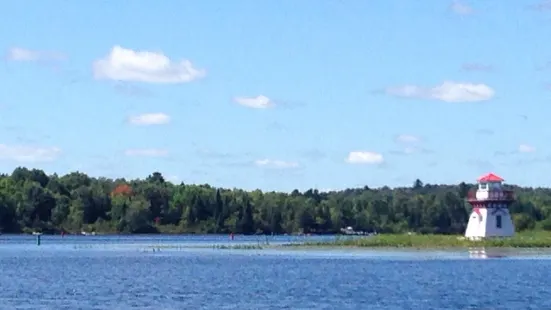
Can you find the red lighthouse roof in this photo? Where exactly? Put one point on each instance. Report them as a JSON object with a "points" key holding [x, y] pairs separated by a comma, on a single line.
{"points": [[490, 177]]}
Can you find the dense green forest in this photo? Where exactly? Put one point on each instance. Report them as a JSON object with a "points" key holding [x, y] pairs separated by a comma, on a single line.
{"points": [[30, 200]]}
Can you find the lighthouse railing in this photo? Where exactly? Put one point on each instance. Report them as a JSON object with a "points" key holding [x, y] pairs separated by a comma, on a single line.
{"points": [[493, 195]]}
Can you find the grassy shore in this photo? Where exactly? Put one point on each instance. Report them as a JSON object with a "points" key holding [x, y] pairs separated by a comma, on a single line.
{"points": [[520, 240]]}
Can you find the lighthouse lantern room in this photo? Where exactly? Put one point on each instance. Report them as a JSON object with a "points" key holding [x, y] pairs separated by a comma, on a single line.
{"points": [[490, 216]]}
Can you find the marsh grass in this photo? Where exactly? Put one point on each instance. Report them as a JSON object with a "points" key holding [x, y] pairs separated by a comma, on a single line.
{"points": [[521, 240]]}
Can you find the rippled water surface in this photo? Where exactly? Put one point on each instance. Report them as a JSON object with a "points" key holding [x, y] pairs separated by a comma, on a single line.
{"points": [[161, 272]]}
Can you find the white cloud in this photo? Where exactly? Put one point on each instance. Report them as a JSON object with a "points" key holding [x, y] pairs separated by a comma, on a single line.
{"points": [[447, 91], [407, 139], [525, 148], [149, 119], [273, 163], [146, 152], [28, 154], [461, 8], [152, 67], [22, 54], [258, 102], [364, 157]]}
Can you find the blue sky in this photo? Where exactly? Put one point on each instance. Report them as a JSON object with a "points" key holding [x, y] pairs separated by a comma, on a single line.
{"points": [[278, 95]]}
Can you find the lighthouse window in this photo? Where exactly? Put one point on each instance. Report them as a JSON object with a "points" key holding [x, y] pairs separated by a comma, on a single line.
{"points": [[498, 221]]}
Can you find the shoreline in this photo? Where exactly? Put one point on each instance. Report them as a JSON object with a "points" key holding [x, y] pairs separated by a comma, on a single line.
{"points": [[529, 240]]}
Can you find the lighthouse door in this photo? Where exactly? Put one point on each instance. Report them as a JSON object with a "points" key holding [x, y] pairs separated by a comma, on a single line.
{"points": [[498, 221]]}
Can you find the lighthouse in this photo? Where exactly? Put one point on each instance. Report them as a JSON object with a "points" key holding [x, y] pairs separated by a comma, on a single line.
{"points": [[490, 216]]}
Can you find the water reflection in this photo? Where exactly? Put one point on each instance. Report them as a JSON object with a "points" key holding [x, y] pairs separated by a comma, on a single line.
{"points": [[509, 253], [484, 253]]}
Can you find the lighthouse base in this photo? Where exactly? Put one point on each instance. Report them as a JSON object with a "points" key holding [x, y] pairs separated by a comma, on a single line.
{"points": [[491, 222]]}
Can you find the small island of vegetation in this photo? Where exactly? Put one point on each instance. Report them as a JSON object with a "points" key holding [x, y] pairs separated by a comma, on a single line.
{"points": [[531, 239], [423, 215]]}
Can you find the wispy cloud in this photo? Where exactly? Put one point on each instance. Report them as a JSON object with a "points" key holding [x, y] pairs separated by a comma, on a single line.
{"points": [[525, 148], [522, 148], [543, 5], [28, 154], [409, 144], [258, 102], [447, 92], [407, 139], [275, 163], [364, 157], [461, 8], [28, 55], [149, 119]]}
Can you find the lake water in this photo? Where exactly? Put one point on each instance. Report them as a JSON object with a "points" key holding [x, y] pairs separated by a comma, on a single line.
{"points": [[124, 272]]}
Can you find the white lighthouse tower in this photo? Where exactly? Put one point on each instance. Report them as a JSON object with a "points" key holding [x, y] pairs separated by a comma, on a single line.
{"points": [[490, 216]]}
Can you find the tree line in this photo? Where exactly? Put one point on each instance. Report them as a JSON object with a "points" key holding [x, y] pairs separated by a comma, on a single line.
{"points": [[32, 201]]}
